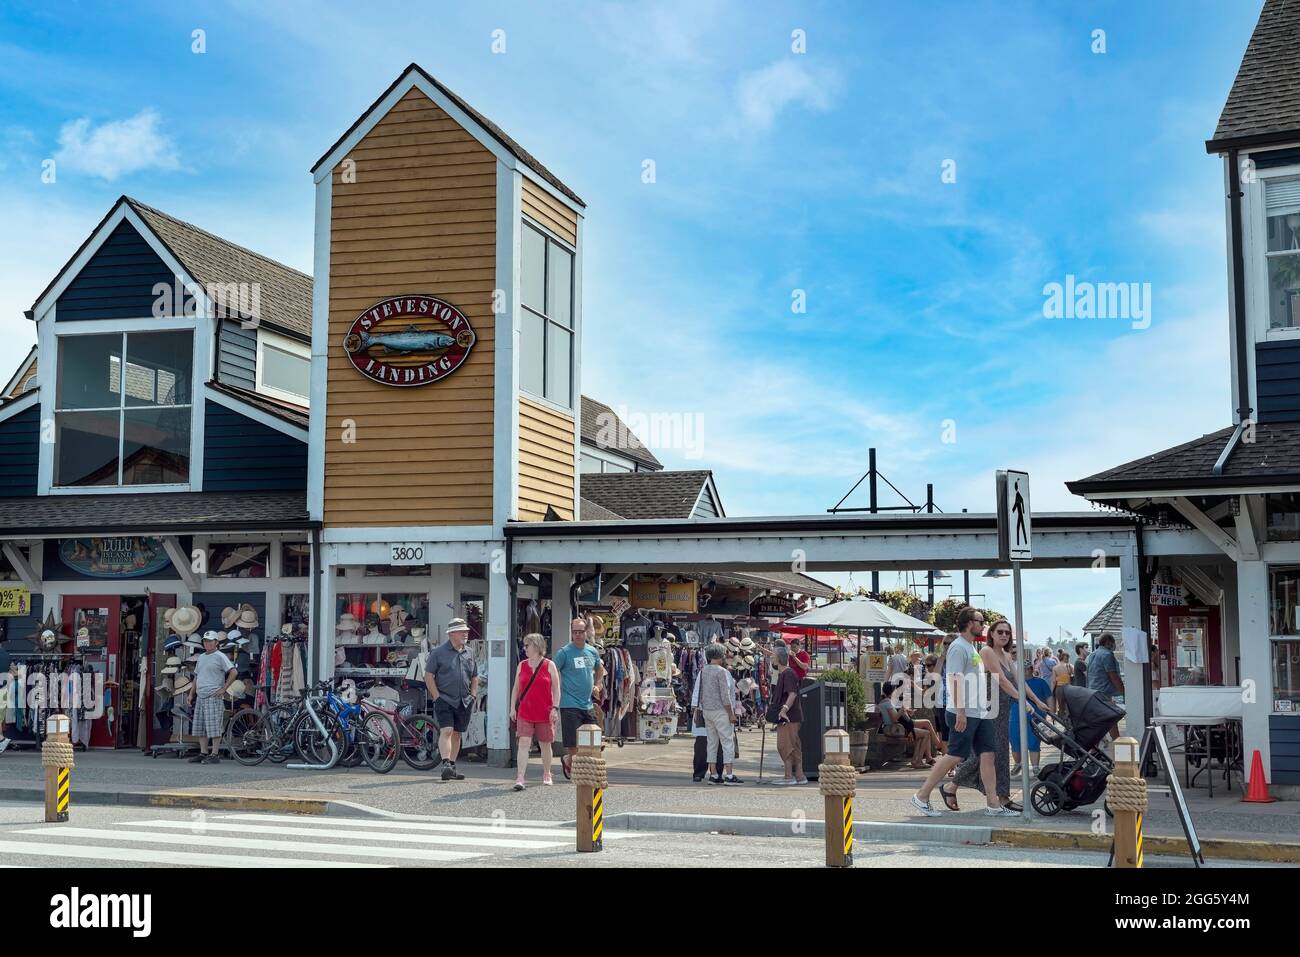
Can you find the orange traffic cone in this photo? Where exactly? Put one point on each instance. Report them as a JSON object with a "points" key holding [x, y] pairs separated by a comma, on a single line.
{"points": [[1257, 791]]}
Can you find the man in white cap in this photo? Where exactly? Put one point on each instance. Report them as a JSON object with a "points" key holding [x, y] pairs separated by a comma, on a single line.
{"points": [[451, 675], [213, 674]]}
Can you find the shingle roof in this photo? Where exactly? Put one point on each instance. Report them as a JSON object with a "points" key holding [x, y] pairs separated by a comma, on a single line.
{"points": [[177, 512], [589, 511], [493, 130], [603, 429], [284, 293], [1110, 619], [641, 495], [1265, 96], [1273, 458], [293, 414]]}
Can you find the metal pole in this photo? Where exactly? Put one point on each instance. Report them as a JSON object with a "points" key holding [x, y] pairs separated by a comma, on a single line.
{"points": [[1021, 649], [875, 575]]}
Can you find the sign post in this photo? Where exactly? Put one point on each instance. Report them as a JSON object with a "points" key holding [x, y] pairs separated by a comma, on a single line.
{"points": [[1015, 544]]}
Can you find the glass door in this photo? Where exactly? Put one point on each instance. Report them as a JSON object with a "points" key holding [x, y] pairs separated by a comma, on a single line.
{"points": [[94, 622]]}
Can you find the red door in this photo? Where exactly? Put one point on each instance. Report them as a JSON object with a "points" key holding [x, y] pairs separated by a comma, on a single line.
{"points": [[101, 616], [1190, 648], [157, 637]]}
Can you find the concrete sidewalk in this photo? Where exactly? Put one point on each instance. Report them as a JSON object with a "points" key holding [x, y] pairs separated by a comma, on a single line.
{"points": [[645, 779]]}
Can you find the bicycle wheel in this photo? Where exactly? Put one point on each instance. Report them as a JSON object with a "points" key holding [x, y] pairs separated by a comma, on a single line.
{"points": [[312, 746], [376, 740], [281, 721], [420, 742], [248, 737]]}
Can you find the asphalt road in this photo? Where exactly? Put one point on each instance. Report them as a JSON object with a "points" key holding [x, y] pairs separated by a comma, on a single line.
{"points": [[108, 837]]}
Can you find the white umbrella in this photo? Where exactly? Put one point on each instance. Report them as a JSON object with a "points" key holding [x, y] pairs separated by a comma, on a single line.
{"points": [[860, 613]]}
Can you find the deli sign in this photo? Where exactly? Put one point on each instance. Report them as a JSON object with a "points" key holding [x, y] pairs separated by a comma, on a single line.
{"points": [[409, 341]]}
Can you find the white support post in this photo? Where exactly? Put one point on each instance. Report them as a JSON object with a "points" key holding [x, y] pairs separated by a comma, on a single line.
{"points": [[1257, 682], [561, 582], [497, 626], [26, 573], [1134, 693], [323, 618]]}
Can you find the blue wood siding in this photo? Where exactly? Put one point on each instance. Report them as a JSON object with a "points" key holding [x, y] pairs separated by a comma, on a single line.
{"points": [[1284, 745], [20, 445], [118, 281], [1277, 381], [242, 455], [214, 601], [19, 629], [237, 355]]}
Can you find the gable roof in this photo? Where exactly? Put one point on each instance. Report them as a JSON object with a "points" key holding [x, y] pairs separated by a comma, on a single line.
{"points": [[293, 414], [285, 293], [498, 134], [643, 495], [1273, 458], [1109, 619], [26, 369], [597, 418], [1264, 102]]}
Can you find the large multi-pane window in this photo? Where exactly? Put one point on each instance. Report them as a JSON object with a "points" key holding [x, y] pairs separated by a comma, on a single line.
{"points": [[546, 336], [122, 409], [1282, 207]]}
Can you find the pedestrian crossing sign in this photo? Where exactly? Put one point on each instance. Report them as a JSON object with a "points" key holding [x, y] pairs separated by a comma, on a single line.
{"points": [[1015, 517]]}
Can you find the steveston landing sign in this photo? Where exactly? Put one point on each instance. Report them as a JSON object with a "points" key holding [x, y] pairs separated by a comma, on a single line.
{"points": [[409, 340]]}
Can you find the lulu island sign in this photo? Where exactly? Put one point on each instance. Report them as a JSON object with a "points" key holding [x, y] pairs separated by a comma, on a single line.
{"points": [[409, 341]]}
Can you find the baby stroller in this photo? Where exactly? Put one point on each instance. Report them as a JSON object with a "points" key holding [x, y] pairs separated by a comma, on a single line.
{"points": [[1079, 778]]}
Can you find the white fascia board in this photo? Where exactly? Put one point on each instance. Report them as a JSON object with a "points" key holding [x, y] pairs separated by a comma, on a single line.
{"points": [[256, 414], [320, 311], [576, 396], [470, 552], [505, 445], [536, 179], [384, 535], [21, 404]]}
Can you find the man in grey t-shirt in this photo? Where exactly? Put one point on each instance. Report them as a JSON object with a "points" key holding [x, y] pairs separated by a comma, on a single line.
{"points": [[451, 675], [970, 731], [213, 673]]}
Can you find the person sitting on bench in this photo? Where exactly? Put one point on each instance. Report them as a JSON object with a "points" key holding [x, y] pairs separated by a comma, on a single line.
{"points": [[919, 730]]}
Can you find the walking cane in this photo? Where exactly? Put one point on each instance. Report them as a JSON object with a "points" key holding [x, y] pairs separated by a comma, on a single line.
{"points": [[762, 749]]}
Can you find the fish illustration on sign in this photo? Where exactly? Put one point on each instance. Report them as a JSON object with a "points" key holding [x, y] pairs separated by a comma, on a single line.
{"points": [[409, 340]]}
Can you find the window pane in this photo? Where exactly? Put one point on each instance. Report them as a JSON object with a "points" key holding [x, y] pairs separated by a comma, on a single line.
{"points": [[238, 559], [156, 446], [1284, 290], [531, 352], [1284, 589], [615, 467], [295, 560], [589, 463], [286, 371], [532, 269], [85, 448], [158, 368], [89, 368], [1286, 672], [559, 276], [559, 345]]}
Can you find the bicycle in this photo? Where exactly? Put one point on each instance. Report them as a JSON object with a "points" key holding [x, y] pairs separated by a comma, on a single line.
{"points": [[368, 735], [417, 734], [284, 729]]}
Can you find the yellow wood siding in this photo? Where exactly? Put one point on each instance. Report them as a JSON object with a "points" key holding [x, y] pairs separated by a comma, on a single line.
{"points": [[550, 212], [546, 449], [420, 218]]}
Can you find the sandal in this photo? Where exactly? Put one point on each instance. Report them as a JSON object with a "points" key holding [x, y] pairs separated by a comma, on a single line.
{"points": [[949, 800], [918, 765]]}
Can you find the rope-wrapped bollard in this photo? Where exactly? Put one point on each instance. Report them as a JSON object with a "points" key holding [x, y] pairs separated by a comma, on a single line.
{"points": [[1126, 793], [590, 775], [837, 779], [57, 760]]}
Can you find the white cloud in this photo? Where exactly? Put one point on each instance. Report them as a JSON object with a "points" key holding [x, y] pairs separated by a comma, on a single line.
{"points": [[117, 148], [762, 94]]}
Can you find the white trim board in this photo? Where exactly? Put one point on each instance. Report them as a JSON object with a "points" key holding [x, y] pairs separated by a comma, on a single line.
{"points": [[320, 312], [254, 413], [21, 404], [22, 371]]}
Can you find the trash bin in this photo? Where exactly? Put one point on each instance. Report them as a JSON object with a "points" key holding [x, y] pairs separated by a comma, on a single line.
{"points": [[825, 706]]}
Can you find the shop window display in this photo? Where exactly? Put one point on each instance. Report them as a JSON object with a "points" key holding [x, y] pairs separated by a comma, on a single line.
{"points": [[378, 633], [1284, 595], [295, 559], [1286, 675], [238, 559]]}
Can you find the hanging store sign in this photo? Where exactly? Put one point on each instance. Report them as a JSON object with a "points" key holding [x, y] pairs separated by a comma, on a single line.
{"points": [[725, 601], [122, 557], [409, 341], [1168, 595], [772, 606], [660, 594], [15, 601]]}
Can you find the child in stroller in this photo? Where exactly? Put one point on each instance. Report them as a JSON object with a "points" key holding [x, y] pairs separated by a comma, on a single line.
{"points": [[1079, 778]]}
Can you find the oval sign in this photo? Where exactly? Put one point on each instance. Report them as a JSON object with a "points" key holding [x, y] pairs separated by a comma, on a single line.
{"points": [[409, 340]]}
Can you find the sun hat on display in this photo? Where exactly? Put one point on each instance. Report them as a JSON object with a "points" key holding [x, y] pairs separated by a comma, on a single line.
{"points": [[747, 643], [237, 689], [347, 623], [185, 620], [228, 616], [181, 684], [172, 666], [247, 617]]}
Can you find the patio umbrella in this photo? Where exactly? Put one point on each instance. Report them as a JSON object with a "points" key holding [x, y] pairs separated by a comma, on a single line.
{"points": [[860, 613]]}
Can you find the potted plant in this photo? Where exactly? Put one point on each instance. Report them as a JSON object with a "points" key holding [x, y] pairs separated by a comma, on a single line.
{"points": [[856, 718]]}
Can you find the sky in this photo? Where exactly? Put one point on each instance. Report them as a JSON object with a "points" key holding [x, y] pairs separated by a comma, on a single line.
{"points": [[812, 228]]}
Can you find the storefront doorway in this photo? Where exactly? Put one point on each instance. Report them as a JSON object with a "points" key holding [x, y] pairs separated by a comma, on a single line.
{"points": [[113, 633], [1189, 644]]}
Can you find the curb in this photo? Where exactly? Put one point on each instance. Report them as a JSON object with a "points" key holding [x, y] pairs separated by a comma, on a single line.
{"points": [[183, 799], [1223, 848], [958, 834]]}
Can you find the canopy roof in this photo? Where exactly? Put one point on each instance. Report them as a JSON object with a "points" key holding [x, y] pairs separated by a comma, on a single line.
{"points": [[860, 613]]}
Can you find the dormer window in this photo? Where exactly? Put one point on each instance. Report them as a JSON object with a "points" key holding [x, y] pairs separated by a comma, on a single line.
{"points": [[1282, 206], [123, 409], [283, 367]]}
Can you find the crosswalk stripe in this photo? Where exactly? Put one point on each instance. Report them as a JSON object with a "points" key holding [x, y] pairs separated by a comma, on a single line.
{"points": [[258, 844], [162, 855], [474, 840], [504, 829]]}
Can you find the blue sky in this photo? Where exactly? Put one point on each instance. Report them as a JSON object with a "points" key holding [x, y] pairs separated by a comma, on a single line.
{"points": [[774, 171]]}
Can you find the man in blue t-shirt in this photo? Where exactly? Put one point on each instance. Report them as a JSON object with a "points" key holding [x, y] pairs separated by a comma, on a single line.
{"points": [[581, 671], [1103, 674]]}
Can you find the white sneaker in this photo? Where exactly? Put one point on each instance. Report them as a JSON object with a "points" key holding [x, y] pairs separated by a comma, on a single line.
{"points": [[1000, 812], [4, 743], [925, 808]]}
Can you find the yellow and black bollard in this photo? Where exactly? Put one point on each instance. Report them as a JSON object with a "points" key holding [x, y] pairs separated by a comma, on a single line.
{"points": [[56, 758], [837, 779], [1126, 793], [591, 780]]}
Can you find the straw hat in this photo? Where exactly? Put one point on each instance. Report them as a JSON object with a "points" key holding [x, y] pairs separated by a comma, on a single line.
{"points": [[181, 684], [457, 624], [237, 690], [347, 623], [185, 619], [747, 643], [228, 616], [172, 666], [247, 617], [749, 661]]}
